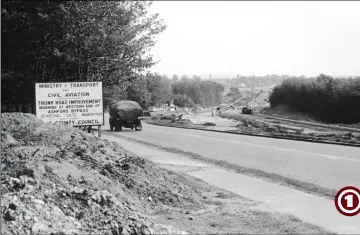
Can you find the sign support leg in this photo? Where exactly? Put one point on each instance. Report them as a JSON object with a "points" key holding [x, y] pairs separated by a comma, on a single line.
{"points": [[99, 131]]}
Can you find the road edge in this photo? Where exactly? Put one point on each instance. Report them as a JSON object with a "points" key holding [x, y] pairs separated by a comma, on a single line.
{"points": [[335, 127], [256, 135]]}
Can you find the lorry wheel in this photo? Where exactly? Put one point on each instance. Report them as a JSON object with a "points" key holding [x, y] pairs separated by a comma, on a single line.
{"points": [[111, 127], [138, 126], [118, 128]]}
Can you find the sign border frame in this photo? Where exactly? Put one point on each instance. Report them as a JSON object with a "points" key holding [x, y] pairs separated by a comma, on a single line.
{"points": [[102, 98]]}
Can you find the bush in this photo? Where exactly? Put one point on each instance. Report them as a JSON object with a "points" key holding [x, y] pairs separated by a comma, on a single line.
{"points": [[331, 100], [183, 101]]}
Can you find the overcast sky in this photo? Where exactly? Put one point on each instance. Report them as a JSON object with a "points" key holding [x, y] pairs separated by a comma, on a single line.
{"points": [[225, 38]]}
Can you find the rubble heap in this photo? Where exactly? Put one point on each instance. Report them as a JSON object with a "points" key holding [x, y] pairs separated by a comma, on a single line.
{"points": [[60, 180]]}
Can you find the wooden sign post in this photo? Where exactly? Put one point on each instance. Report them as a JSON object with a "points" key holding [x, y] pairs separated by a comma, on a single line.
{"points": [[99, 131]]}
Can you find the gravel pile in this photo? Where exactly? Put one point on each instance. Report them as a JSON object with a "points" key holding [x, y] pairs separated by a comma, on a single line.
{"points": [[170, 118], [60, 180]]}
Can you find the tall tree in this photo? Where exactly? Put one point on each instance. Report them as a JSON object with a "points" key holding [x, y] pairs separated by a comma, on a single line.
{"points": [[201, 92], [159, 87], [175, 78], [105, 41]]}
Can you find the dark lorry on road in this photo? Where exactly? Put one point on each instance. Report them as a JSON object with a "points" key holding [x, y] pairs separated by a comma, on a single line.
{"points": [[125, 113]]}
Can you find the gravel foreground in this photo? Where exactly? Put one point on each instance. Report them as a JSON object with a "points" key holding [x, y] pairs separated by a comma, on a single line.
{"points": [[60, 180]]}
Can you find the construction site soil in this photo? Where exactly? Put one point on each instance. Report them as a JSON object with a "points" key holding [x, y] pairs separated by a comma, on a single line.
{"points": [[60, 180], [248, 125]]}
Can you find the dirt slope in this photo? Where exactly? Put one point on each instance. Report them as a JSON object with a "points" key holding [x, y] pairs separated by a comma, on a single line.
{"points": [[57, 179], [254, 97], [285, 111]]}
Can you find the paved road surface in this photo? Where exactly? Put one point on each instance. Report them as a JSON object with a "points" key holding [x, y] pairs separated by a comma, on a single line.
{"points": [[269, 196], [330, 166]]}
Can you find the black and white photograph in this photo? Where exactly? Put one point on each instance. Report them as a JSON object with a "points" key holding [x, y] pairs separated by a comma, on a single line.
{"points": [[180, 117]]}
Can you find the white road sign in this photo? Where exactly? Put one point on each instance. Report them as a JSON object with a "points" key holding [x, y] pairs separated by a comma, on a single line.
{"points": [[71, 103]]}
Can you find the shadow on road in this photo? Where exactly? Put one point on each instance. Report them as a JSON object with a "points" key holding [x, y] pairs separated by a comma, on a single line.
{"points": [[127, 131]]}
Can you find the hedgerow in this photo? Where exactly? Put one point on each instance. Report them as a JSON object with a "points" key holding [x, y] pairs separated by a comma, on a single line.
{"points": [[333, 100]]}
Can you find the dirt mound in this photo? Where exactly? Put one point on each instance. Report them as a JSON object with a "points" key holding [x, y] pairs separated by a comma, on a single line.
{"points": [[185, 121], [249, 125], [209, 124], [61, 180], [285, 111], [171, 118], [162, 116], [253, 126]]}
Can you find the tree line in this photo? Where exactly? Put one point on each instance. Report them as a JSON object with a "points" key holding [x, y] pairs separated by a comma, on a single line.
{"points": [[155, 90], [72, 41], [268, 80], [334, 100], [201, 92]]}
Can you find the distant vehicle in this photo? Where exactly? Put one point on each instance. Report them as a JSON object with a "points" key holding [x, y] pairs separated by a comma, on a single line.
{"points": [[247, 110], [125, 113], [220, 109]]}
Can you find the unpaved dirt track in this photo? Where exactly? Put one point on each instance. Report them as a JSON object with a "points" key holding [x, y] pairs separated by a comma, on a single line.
{"points": [[325, 165]]}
